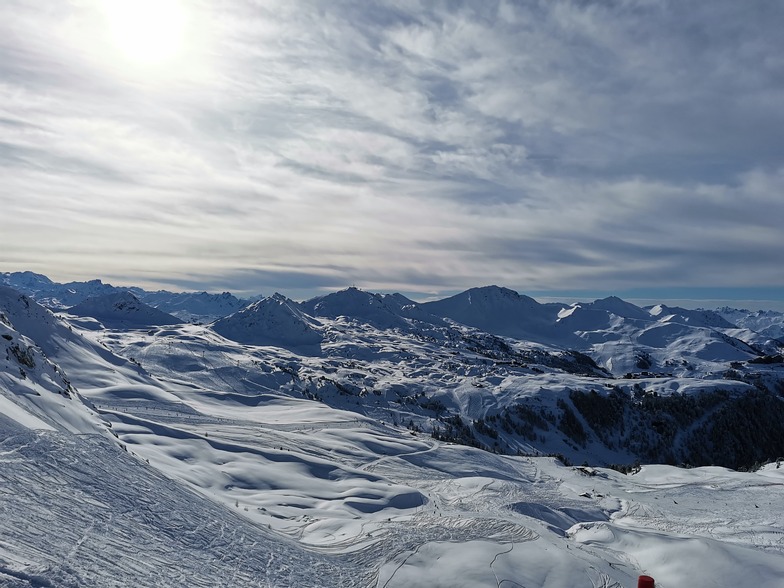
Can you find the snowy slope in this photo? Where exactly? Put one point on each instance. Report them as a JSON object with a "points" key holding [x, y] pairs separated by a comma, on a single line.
{"points": [[484, 518], [35, 393], [79, 511], [697, 318], [665, 347], [89, 363], [123, 309], [100, 516]]}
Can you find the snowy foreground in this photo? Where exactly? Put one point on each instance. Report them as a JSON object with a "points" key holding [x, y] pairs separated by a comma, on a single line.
{"points": [[342, 505], [200, 463]]}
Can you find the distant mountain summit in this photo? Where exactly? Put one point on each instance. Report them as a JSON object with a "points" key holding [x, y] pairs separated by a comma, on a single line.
{"points": [[769, 323], [123, 309], [383, 312], [601, 315], [619, 307], [26, 280], [500, 311], [194, 305], [695, 318], [275, 320]]}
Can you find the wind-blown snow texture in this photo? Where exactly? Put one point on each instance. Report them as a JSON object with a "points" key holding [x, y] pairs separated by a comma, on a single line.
{"points": [[312, 444]]}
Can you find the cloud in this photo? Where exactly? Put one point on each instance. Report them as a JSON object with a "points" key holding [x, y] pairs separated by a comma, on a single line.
{"points": [[419, 146]]}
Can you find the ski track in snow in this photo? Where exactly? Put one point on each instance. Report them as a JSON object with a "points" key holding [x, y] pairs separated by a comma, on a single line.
{"points": [[119, 522]]}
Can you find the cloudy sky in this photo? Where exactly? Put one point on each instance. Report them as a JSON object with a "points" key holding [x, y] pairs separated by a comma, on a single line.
{"points": [[560, 148]]}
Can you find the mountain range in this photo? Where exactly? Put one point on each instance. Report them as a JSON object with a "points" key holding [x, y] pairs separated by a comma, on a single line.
{"points": [[363, 439], [189, 306]]}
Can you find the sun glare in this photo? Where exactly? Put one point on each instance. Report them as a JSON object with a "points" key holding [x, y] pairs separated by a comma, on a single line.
{"points": [[147, 32]]}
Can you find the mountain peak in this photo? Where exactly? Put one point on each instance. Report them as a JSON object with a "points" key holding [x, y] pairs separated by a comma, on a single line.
{"points": [[124, 308], [275, 321], [497, 310], [495, 292], [619, 307], [695, 318], [357, 304], [27, 276]]}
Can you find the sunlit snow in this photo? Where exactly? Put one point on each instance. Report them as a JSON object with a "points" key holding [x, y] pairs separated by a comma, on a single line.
{"points": [[170, 455]]}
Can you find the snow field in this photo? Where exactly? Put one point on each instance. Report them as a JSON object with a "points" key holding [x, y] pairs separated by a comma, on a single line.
{"points": [[243, 465]]}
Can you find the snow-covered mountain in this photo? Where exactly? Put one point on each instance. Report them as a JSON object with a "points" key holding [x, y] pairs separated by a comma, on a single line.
{"points": [[698, 318], [34, 391], [502, 311], [194, 306], [618, 307], [591, 322], [765, 322], [495, 310], [55, 295], [89, 362], [46, 368], [26, 282], [462, 384], [352, 303], [275, 320], [188, 306], [122, 309]]}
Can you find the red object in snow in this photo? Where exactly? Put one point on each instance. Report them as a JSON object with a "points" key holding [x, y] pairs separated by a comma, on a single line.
{"points": [[645, 582]]}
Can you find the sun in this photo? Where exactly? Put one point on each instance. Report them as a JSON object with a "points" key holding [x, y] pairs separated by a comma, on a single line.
{"points": [[147, 32]]}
